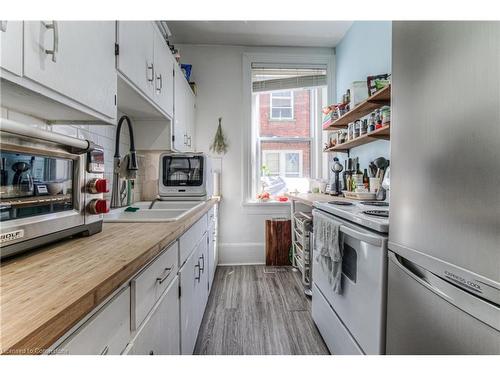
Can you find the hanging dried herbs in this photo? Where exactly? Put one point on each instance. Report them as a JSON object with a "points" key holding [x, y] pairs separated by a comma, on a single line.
{"points": [[219, 145]]}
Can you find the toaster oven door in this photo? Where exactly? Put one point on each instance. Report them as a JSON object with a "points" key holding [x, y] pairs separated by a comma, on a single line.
{"points": [[40, 194]]}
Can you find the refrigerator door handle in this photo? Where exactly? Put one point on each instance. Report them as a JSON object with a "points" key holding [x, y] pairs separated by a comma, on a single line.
{"points": [[417, 273], [479, 308]]}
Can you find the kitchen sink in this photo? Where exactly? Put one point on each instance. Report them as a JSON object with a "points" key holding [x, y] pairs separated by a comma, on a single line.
{"points": [[162, 211], [169, 205]]}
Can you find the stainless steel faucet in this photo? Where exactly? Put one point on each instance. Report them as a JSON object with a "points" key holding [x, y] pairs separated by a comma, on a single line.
{"points": [[117, 193]]}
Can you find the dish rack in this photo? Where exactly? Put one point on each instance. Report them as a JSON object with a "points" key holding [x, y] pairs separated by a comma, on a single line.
{"points": [[302, 233]]}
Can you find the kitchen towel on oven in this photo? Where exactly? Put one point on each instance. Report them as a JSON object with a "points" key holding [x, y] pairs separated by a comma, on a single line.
{"points": [[328, 245]]}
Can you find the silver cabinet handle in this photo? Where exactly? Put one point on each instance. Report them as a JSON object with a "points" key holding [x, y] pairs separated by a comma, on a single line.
{"points": [[189, 140], [158, 84], [105, 350], [199, 272], [3, 26], [55, 45], [150, 73], [185, 139], [202, 269], [160, 280]]}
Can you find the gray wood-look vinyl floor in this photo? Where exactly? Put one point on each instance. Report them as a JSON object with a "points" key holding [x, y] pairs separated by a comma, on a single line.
{"points": [[258, 310]]}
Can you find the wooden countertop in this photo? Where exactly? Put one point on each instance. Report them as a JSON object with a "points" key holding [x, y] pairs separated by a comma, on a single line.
{"points": [[45, 293], [310, 198]]}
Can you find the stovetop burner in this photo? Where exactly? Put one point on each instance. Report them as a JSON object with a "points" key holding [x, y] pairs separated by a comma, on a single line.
{"points": [[341, 203], [378, 213], [375, 203]]}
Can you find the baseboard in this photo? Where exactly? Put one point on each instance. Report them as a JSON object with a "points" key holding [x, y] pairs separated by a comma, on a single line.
{"points": [[242, 253]]}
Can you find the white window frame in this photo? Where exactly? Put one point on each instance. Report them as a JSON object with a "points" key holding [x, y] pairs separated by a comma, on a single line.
{"points": [[292, 103], [324, 57], [282, 160]]}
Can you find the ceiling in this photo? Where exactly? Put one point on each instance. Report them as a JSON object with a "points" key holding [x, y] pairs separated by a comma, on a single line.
{"points": [[260, 33]]}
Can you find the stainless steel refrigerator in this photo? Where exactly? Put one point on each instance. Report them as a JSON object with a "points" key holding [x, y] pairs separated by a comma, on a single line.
{"points": [[444, 237]]}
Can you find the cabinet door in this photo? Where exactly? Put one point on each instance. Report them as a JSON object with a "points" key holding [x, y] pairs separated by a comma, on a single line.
{"points": [[74, 58], [205, 271], [106, 332], [180, 116], [164, 74], [11, 42], [135, 59], [160, 332], [190, 118], [212, 254], [191, 299]]}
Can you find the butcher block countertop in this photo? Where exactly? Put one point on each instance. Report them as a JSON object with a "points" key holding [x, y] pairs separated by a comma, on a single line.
{"points": [[310, 198], [45, 293]]}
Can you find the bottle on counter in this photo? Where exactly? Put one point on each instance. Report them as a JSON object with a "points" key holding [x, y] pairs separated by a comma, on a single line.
{"points": [[359, 176], [366, 180]]}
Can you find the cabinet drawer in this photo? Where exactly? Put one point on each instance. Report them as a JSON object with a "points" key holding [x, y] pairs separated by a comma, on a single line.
{"points": [[106, 332], [160, 333], [190, 239], [150, 284]]}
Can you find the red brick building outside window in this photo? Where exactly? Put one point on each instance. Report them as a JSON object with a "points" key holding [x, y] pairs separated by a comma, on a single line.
{"points": [[285, 114]]}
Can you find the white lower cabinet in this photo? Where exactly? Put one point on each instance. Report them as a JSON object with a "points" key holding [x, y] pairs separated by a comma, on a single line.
{"points": [[107, 331], [159, 334], [160, 311], [194, 295]]}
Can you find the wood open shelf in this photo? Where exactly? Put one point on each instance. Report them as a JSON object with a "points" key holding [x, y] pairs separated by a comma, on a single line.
{"points": [[382, 133], [377, 100]]}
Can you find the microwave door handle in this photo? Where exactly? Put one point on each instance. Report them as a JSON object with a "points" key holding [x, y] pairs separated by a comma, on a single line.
{"points": [[363, 237]]}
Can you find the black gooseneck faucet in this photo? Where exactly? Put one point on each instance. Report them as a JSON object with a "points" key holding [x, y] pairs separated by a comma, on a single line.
{"points": [[132, 160]]}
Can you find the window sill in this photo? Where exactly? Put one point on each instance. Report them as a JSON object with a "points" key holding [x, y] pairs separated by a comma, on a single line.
{"points": [[270, 203]]}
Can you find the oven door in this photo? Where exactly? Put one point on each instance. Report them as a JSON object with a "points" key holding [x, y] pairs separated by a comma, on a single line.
{"points": [[39, 195], [361, 305], [182, 175]]}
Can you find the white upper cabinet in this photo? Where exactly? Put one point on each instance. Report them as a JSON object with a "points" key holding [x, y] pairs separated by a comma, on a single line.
{"points": [[164, 74], [184, 113], [136, 57], [11, 46], [75, 59]]}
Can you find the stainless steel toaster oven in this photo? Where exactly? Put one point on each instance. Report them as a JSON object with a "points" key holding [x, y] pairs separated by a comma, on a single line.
{"points": [[51, 187]]}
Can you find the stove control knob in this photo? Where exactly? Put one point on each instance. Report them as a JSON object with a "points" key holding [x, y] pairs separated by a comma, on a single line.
{"points": [[98, 185], [98, 206]]}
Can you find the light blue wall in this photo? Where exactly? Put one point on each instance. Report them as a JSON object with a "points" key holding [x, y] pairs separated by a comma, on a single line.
{"points": [[365, 50]]}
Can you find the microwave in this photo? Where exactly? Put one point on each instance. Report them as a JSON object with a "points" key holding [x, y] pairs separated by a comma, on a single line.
{"points": [[51, 187], [184, 176]]}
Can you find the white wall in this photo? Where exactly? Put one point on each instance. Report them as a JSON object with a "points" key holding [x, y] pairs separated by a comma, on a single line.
{"points": [[217, 71], [365, 50]]}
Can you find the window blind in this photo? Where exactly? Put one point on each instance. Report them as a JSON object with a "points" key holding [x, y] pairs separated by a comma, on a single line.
{"points": [[271, 77]]}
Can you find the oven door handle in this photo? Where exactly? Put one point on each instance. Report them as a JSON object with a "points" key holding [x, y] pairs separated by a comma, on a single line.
{"points": [[349, 231], [363, 237]]}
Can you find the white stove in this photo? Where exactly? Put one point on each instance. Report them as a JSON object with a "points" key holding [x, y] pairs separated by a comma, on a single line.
{"points": [[355, 211], [353, 322]]}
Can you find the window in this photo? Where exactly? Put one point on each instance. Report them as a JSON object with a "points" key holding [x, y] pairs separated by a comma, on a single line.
{"points": [[281, 105], [285, 140], [286, 163]]}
